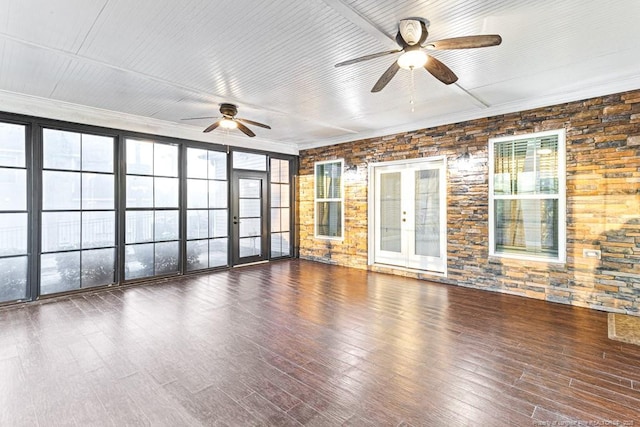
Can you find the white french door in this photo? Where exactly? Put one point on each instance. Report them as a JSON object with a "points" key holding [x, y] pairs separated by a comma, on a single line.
{"points": [[409, 214]]}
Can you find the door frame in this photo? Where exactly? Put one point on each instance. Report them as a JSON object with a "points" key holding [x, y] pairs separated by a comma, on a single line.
{"points": [[236, 175], [371, 204]]}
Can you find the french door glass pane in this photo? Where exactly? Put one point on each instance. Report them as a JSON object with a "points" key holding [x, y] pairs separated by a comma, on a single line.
{"points": [[427, 213], [13, 189], [13, 235], [250, 227], [390, 212], [249, 246], [249, 188], [249, 208]]}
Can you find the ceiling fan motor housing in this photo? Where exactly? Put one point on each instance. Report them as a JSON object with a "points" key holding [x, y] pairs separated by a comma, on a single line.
{"points": [[413, 31], [228, 110]]}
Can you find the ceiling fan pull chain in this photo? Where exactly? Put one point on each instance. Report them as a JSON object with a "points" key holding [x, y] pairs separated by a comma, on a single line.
{"points": [[411, 101]]}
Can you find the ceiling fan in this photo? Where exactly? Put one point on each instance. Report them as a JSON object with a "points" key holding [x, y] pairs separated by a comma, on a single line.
{"points": [[230, 121], [411, 36]]}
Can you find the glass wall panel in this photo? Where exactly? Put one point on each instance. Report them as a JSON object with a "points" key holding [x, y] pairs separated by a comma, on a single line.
{"points": [[14, 228], [280, 206], [78, 226], [207, 213], [152, 215]]}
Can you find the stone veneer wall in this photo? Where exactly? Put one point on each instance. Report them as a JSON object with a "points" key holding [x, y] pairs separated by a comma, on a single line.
{"points": [[603, 203]]}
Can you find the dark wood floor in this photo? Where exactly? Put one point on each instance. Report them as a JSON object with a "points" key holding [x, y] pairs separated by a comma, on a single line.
{"points": [[298, 342]]}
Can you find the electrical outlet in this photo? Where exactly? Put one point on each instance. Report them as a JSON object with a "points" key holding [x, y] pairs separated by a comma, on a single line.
{"points": [[591, 253]]}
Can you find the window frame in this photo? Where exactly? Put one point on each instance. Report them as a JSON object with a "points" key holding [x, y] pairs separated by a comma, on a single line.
{"points": [[560, 196], [317, 200]]}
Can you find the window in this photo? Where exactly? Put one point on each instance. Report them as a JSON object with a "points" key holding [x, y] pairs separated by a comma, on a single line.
{"points": [[329, 199], [207, 210], [280, 209], [13, 213], [152, 215], [527, 196], [78, 211]]}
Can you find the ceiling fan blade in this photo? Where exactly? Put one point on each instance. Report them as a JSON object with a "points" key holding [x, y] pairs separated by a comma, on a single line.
{"points": [[251, 122], [200, 118], [466, 42], [245, 129], [386, 77], [367, 57], [212, 127], [440, 71]]}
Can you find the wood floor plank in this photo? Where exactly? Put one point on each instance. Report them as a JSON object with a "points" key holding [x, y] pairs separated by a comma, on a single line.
{"points": [[302, 343]]}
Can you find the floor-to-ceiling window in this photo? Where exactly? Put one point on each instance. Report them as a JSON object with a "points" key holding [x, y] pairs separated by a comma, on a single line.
{"points": [[152, 235], [207, 209], [78, 237], [280, 208], [14, 235]]}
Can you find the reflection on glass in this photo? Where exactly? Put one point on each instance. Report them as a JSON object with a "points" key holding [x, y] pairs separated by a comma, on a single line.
{"points": [[97, 153], [166, 257], [197, 224], [59, 272], [60, 190], [98, 229], [139, 157], [13, 234], [249, 161], [139, 226], [138, 261], [390, 212], [249, 188], [250, 227], [197, 163], [61, 150], [165, 160], [217, 165], [166, 225], [13, 280], [166, 192], [249, 208], [328, 178], [13, 189], [249, 246], [527, 226], [139, 192], [12, 145], [218, 252], [60, 231], [197, 192], [218, 224], [97, 191], [217, 194], [427, 213], [329, 217], [98, 267], [197, 255]]}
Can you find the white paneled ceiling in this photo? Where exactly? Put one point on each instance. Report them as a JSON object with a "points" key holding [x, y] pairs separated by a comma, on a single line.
{"points": [[148, 64]]}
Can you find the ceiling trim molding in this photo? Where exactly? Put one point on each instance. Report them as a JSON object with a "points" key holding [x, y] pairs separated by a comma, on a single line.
{"points": [[616, 85], [59, 110]]}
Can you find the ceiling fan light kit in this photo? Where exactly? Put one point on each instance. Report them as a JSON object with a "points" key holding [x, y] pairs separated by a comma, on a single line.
{"points": [[411, 37], [230, 121]]}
